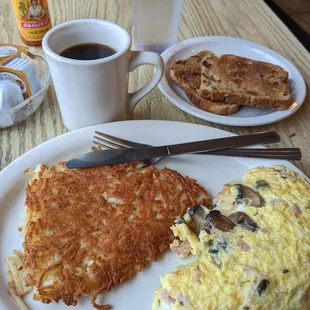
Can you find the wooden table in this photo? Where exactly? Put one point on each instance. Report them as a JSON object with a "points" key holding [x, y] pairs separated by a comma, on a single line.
{"points": [[251, 20]]}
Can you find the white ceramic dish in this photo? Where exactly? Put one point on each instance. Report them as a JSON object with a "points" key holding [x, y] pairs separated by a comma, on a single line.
{"points": [[246, 116], [210, 171]]}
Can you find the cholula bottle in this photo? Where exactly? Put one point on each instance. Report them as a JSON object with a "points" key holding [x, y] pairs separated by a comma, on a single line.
{"points": [[33, 20]]}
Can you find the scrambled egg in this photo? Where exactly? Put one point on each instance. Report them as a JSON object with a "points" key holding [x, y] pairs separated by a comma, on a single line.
{"points": [[253, 249]]}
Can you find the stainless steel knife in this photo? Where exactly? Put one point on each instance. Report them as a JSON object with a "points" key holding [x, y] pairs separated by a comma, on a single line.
{"points": [[119, 156]]}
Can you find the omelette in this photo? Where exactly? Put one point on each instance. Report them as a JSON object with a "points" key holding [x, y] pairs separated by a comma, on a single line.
{"points": [[253, 248], [88, 230]]}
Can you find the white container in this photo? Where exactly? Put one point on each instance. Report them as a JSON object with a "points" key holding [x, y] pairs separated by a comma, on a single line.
{"points": [[155, 23], [27, 66], [15, 114], [10, 97]]}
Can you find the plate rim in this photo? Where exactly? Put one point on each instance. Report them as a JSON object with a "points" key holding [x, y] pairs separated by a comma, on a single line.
{"points": [[15, 162], [73, 132], [185, 106], [13, 170]]}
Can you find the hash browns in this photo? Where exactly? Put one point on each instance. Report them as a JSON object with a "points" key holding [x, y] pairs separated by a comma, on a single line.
{"points": [[88, 230]]}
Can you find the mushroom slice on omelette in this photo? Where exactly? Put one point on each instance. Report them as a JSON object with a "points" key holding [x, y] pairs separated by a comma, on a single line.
{"points": [[88, 230], [253, 247]]}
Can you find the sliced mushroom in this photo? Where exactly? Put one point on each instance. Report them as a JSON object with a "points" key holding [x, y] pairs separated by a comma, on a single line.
{"points": [[240, 191], [262, 184], [284, 173], [215, 219], [179, 220], [262, 286], [245, 192], [198, 215], [243, 220]]}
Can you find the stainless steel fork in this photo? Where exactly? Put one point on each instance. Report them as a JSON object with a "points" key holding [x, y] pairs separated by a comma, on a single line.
{"points": [[111, 142]]}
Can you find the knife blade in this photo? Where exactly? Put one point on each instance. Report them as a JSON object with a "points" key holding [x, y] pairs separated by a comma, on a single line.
{"points": [[119, 156]]}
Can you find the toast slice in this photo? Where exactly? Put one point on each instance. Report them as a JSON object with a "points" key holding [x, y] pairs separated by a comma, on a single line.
{"points": [[187, 75], [234, 79]]}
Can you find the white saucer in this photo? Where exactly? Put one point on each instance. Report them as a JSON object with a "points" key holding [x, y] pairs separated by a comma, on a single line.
{"points": [[246, 116]]}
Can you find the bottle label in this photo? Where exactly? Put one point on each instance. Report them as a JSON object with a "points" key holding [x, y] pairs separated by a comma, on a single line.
{"points": [[33, 18]]}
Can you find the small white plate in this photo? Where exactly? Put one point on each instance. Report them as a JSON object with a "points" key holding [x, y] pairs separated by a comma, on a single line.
{"points": [[212, 172], [246, 116]]}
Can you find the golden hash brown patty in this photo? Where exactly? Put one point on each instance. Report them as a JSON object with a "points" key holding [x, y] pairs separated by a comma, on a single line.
{"points": [[88, 230]]}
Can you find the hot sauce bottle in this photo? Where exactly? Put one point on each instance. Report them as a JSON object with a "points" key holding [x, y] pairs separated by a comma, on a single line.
{"points": [[33, 20]]}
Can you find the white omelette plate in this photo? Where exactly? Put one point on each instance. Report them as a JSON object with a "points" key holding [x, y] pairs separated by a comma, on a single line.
{"points": [[246, 116], [210, 171]]}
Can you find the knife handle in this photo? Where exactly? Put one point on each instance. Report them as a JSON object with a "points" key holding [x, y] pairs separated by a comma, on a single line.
{"points": [[224, 143], [282, 153]]}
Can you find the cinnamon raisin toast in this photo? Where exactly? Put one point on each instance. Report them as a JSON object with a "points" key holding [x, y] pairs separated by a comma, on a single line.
{"points": [[186, 74], [233, 79]]}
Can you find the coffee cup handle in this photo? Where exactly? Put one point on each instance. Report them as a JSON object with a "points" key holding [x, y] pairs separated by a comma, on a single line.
{"points": [[145, 58]]}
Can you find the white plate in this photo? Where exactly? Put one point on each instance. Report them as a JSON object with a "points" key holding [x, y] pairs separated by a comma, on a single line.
{"points": [[246, 116], [210, 171]]}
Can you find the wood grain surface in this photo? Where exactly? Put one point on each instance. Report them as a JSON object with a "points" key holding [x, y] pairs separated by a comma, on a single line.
{"points": [[251, 20]]}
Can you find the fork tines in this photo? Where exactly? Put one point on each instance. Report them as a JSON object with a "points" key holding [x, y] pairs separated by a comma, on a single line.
{"points": [[111, 142]]}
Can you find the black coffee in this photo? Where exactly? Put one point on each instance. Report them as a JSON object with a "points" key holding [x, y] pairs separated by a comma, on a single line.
{"points": [[88, 51]]}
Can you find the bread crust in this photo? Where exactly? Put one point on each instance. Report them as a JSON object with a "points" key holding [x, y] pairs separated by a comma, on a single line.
{"points": [[220, 108]]}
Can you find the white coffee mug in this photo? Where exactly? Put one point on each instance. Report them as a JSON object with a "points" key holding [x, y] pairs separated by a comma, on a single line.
{"points": [[91, 92]]}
